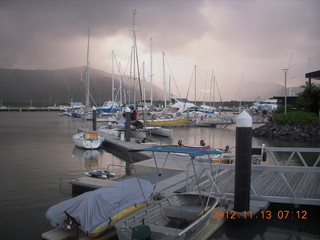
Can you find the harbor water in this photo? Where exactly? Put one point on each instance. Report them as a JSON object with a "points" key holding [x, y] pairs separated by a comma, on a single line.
{"points": [[38, 158]]}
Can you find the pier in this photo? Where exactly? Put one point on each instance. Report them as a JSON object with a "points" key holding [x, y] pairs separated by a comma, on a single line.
{"points": [[286, 181], [225, 120]]}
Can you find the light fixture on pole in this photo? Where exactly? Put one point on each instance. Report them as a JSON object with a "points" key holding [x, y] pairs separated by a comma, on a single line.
{"points": [[285, 90]]}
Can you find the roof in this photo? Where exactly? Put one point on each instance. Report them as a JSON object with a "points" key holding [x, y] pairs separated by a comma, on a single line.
{"points": [[313, 75], [192, 152]]}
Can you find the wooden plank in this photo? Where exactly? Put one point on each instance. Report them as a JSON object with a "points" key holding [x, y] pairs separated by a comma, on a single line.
{"points": [[301, 187]]}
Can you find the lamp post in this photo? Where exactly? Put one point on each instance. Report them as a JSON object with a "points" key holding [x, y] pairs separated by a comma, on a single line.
{"points": [[285, 90]]}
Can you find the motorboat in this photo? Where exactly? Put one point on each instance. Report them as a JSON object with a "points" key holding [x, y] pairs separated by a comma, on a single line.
{"points": [[180, 216], [183, 215], [97, 211]]}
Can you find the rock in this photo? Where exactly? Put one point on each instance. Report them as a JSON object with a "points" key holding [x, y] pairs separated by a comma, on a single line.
{"points": [[308, 131]]}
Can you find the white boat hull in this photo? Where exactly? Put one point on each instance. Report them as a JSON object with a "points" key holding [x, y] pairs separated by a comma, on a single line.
{"points": [[81, 142], [159, 131]]}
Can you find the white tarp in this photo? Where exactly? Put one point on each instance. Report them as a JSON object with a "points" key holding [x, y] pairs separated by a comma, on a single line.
{"points": [[92, 208]]}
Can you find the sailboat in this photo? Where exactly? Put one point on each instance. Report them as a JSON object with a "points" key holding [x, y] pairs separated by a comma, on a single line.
{"points": [[87, 139]]}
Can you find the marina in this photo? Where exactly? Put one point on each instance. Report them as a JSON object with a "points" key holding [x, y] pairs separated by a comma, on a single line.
{"points": [[88, 162]]}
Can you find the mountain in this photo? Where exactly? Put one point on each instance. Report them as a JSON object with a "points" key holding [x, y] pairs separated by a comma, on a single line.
{"points": [[56, 86], [263, 91]]}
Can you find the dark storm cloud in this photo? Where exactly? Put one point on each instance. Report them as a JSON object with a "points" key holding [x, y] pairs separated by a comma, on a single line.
{"points": [[257, 37], [31, 29]]}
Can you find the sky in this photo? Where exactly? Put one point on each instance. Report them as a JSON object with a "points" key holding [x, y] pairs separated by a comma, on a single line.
{"points": [[234, 42]]}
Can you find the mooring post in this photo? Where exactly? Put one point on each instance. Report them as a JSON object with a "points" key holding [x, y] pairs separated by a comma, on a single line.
{"points": [[243, 162], [94, 119], [127, 126]]}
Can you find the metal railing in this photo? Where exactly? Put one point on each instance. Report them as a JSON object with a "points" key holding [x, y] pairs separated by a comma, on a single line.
{"points": [[293, 177]]}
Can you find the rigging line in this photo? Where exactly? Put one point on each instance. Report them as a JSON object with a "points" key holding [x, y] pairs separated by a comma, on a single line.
{"points": [[122, 75], [219, 94], [165, 57], [80, 86], [190, 83], [139, 80]]}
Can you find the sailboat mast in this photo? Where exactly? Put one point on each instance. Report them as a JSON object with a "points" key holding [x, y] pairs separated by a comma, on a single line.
{"points": [[88, 73], [120, 86], [164, 82], [112, 87], [151, 75], [144, 85], [195, 84], [134, 57]]}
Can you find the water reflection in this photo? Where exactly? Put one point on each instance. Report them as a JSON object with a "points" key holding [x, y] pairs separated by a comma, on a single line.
{"points": [[99, 159]]}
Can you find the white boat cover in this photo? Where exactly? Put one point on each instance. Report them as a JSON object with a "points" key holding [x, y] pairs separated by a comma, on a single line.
{"points": [[95, 207]]}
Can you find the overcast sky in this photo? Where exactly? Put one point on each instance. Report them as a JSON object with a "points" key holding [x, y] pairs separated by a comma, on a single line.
{"points": [[239, 41]]}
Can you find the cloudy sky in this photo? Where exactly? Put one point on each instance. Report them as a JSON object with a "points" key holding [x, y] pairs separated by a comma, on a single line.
{"points": [[238, 41]]}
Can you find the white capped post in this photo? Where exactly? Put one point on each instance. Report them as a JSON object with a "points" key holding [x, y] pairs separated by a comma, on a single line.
{"points": [[243, 162]]}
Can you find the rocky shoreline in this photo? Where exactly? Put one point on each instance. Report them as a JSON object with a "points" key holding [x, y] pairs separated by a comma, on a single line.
{"points": [[299, 131]]}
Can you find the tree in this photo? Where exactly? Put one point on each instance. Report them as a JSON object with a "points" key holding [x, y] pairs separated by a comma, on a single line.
{"points": [[309, 98]]}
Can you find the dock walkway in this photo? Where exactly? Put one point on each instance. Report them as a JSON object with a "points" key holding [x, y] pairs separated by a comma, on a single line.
{"points": [[289, 178]]}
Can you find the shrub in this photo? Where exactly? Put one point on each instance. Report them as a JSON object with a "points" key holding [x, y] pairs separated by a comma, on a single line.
{"points": [[293, 117]]}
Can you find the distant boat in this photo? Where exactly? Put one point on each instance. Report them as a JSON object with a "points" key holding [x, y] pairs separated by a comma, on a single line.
{"points": [[109, 107], [269, 105], [169, 121]]}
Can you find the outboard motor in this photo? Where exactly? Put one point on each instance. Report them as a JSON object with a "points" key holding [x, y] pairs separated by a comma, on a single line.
{"points": [[202, 143]]}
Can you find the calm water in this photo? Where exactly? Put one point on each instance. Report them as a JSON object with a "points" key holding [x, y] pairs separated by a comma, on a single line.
{"points": [[36, 150]]}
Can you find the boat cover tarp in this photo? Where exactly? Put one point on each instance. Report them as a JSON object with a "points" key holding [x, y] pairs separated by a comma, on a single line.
{"points": [[95, 207], [192, 152]]}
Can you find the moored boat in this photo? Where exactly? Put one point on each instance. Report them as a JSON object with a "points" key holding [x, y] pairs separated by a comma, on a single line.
{"points": [[168, 121], [160, 131], [96, 211], [180, 216], [87, 139], [186, 215]]}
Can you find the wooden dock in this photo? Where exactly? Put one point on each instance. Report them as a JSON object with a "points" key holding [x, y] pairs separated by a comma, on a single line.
{"points": [[278, 183]]}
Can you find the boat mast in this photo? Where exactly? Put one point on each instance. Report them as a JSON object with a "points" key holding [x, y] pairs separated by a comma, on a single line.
{"points": [[164, 82], [211, 87], [151, 75], [112, 87], [88, 73], [120, 86], [144, 85], [195, 84]]}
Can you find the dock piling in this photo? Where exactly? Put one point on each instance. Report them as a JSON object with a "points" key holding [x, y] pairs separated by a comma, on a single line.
{"points": [[243, 162], [94, 119], [127, 126]]}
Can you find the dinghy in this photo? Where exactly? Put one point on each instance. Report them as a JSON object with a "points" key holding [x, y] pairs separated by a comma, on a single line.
{"points": [[96, 211]]}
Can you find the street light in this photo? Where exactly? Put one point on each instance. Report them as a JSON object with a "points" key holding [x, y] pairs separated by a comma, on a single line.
{"points": [[285, 90]]}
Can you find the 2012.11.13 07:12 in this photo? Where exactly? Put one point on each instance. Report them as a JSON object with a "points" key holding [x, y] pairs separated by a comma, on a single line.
{"points": [[267, 214]]}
